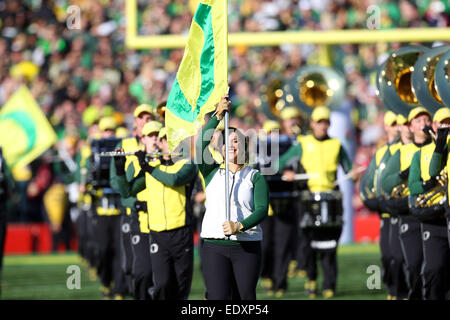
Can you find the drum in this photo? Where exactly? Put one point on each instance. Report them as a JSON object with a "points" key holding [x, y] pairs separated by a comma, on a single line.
{"points": [[99, 169], [321, 209]]}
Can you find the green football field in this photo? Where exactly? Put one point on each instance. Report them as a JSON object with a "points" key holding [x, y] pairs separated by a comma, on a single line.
{"points": [[46, 277]]}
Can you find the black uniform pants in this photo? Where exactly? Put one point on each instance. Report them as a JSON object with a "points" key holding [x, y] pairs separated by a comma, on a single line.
{"points": [[267, 247], [172, 258], [303, 248], [141, 267], [436, 266], [109, 268], [3, 221], [285, 236], [231, 271], [126, 250], [81, 225], [386, 255], [92, 245], [411, 241], [448, 231], [397, 263], [323, 242]]}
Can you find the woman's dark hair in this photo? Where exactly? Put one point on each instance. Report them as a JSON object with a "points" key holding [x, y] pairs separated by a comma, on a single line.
{"points": [[243, 155]]}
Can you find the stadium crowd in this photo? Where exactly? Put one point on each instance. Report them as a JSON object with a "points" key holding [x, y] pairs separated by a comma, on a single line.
{"points": [[83, 73]]}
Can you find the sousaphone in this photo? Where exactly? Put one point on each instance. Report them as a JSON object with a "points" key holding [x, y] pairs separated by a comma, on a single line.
{"points": [[441, 75], [395, 88], [314, 86], [272, 99], [424, 81]]}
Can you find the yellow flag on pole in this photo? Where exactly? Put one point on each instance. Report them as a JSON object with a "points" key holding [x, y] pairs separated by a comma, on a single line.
{"points": [[25, 132], [202, 76]]}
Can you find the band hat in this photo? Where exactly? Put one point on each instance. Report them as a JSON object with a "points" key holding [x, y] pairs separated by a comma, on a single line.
{"points": [[270, 125], [162, 133], [107, 123], [320, 113], [152, 126], [289, 113], [143, 108], [417, 111], [390, 118], [401, 119], [121, 132], [441, 114]]}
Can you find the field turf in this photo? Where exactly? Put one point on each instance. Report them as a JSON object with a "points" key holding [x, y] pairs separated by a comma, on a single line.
{"points": [[44, 277]]}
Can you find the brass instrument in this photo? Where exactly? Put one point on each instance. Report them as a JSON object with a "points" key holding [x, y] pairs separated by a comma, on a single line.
{"points": [[441, 76], [161, 111], [313, 86], [424, 80], [124, 154], [395, 90], [272, 98], [425, 200], [397, 192]]}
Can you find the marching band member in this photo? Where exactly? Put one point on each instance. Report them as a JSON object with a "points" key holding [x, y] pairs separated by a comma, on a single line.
{"points": [[6, 190], [395, 174], [320, 156], [135, 231], [231, 250], [107, 231], [168, 186], [440, 161], [436, 252], [368, 188], [285, 207]]}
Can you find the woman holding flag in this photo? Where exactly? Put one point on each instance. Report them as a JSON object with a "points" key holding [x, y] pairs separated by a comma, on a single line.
{"points": [[231, 250]]}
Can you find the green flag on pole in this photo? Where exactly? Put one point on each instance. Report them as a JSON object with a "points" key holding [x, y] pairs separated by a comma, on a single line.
{"points": [[202, 76]]}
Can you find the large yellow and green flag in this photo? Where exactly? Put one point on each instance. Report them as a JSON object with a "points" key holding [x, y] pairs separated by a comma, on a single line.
{"points": [[25, 132], [202, 76]]}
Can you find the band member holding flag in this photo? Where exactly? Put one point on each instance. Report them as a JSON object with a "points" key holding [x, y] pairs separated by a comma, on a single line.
{"points": [[231, 249]]}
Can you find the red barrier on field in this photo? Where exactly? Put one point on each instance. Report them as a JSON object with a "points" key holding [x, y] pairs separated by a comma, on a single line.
{"points": [[366, 228], [32, 238]]}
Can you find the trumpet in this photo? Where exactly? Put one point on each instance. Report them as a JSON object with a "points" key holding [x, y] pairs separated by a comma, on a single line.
{"points": [[397, 192], [124, 154], [426, 199]]}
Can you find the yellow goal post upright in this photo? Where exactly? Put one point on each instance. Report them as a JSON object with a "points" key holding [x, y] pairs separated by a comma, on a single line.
{"points": [[276, 38]]}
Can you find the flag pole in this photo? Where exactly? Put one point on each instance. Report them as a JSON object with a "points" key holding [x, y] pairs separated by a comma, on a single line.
{"points": [[227, 171]]}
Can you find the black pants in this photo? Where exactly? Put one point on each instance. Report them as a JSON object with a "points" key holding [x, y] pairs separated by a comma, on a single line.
{"points": [[64, 234], [397, 263], [411, 241], [3, 221], [267, 247], [126, 250], [172, 259], [109, 268], [303, 248], [448, 230], [436, 266], [386, 255], [231, 272], [323, 243], [92, 245], [141, 267], [285, 236], [81, 225]]}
